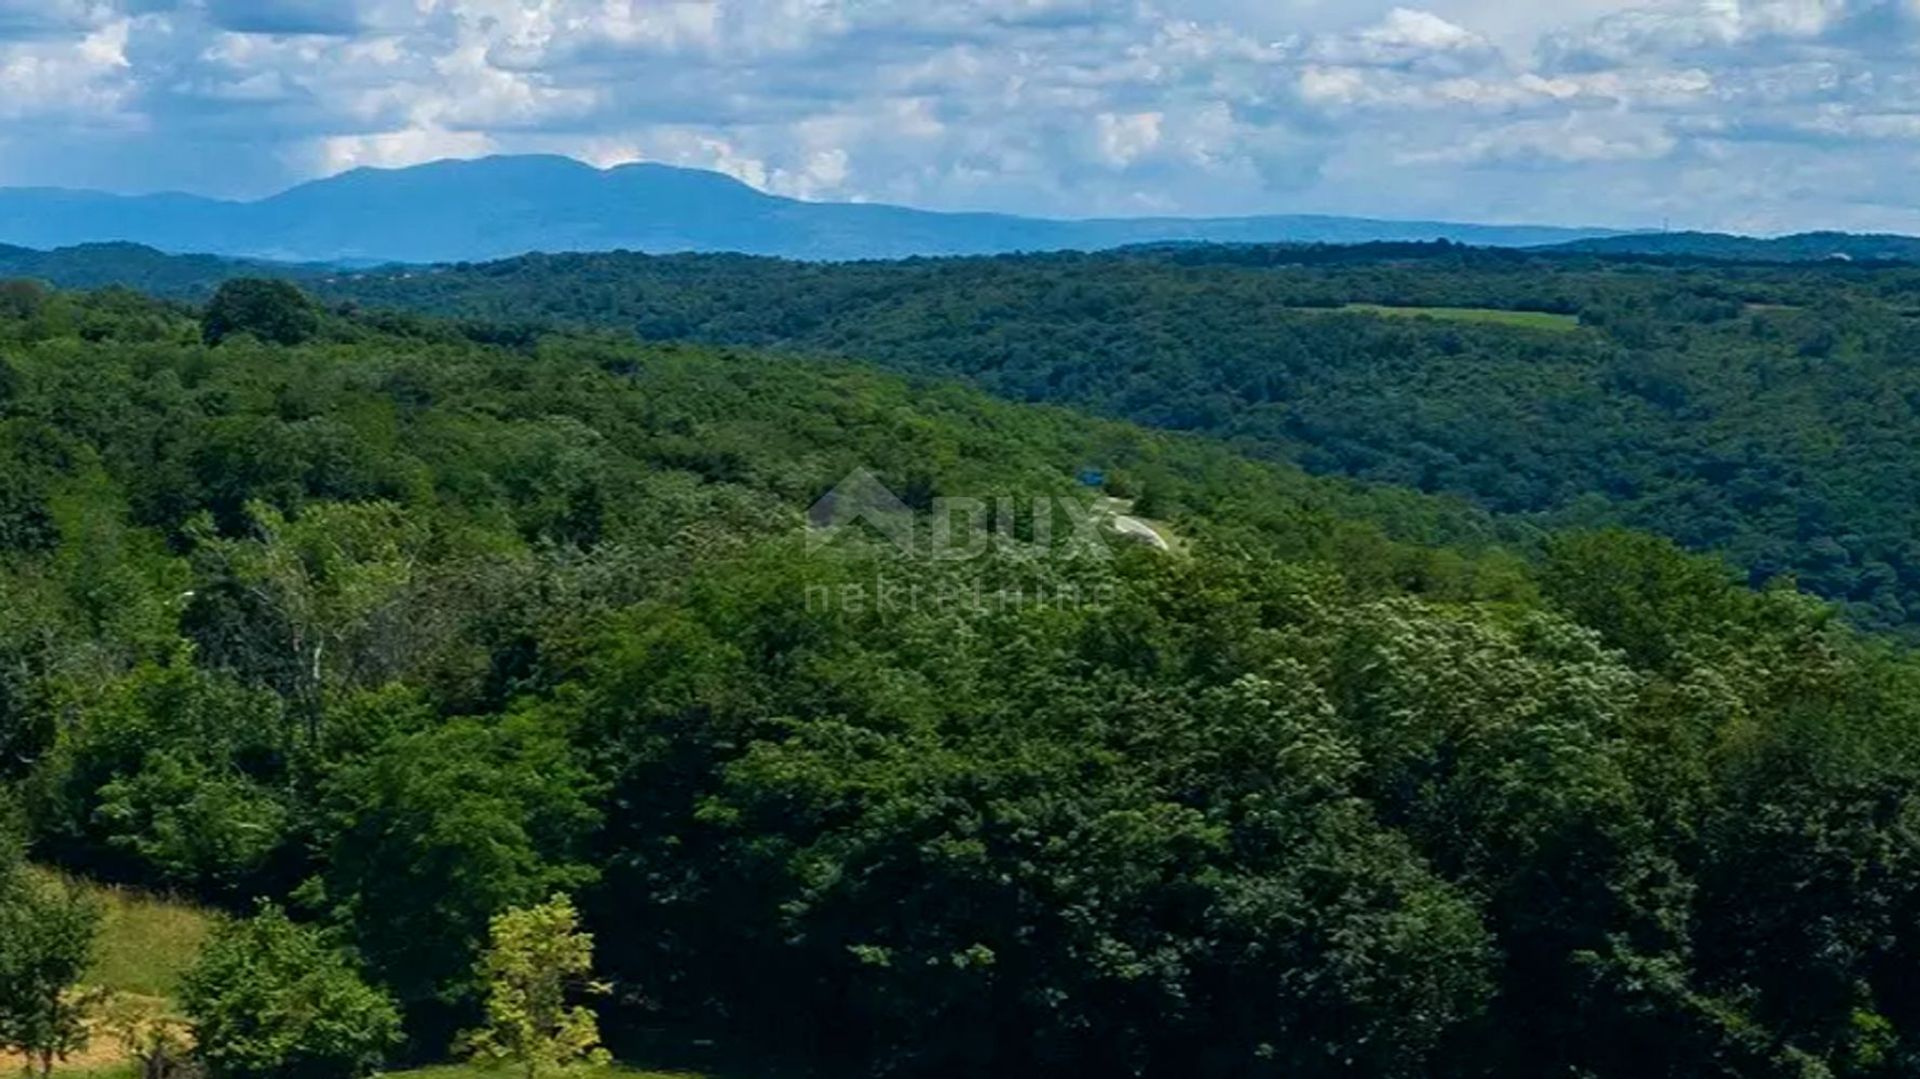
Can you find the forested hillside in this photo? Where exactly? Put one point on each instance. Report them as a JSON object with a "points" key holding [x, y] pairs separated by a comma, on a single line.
{"points": [[1803, 247], [1766, 413], [399, 624]]}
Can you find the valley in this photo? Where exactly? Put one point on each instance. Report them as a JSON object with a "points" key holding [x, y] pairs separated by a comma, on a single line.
{"points": [[402, 622]]}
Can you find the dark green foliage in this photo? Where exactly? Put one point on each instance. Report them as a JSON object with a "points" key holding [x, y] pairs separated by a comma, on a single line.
{"points": [[440, 830], [47, 930], [1164, 835], [21, 300], [416, 622], [174, 775], [271, 310], [10, 386], [1770, 414], [270, 999], [1040, 857]]}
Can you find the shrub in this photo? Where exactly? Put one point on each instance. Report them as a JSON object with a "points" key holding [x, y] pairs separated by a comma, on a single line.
{"points": [[271, 998]]}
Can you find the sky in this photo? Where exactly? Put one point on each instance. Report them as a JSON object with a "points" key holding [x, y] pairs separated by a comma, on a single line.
{"points": [[1757, 116]]}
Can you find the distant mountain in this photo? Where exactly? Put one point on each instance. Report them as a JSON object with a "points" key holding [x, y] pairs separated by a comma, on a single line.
{"points": [[453, 211], [1804, 247]]}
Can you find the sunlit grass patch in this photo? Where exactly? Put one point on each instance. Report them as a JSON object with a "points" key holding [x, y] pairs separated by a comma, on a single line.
{"points": [[146, 942], [1529, 320]]}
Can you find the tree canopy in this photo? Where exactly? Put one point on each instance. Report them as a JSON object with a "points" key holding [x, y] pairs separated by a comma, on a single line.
{"points": [[416, 623]]}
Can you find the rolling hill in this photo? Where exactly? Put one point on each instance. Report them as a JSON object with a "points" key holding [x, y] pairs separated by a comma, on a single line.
{"points": [[495, 207], [1723, 247]]}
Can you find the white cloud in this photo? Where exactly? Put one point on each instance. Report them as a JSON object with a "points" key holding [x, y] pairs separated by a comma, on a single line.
{"points": [[1125, 139], [1579, 139], [83, 80], [1407, 38], [1730, 29], [394, 149], [1050, 106]]}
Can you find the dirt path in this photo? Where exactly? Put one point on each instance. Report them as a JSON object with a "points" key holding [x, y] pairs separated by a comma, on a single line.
{"points": [[1119, 514]]}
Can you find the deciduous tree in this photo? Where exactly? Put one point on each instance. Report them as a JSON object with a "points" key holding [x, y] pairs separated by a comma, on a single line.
{"points": [[537, 962]]}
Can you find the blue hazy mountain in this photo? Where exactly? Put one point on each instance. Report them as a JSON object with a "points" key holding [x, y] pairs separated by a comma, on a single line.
{"points": [[501, 206]]}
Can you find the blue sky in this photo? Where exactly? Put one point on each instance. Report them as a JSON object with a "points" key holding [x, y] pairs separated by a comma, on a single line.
{"points": [[1763, 115]]}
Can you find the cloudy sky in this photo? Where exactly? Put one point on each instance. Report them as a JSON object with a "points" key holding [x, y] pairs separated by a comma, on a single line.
{"points": [[1756, 115]]}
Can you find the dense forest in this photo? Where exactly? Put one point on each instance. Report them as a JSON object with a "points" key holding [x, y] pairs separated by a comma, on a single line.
{"points": [[1765, 413], [402, 624]]}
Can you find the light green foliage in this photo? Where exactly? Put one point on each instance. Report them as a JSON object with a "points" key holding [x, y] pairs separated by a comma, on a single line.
{"points": [[537, 958], [271, 999], [1527, 320]]}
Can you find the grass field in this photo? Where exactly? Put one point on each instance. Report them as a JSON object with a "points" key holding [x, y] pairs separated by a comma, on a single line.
{"points": [[145, 943], [1529, 320]]}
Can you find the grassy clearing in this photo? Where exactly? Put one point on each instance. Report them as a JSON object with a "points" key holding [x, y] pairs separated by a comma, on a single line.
{"points": [[1528, 320], [145, 942]]}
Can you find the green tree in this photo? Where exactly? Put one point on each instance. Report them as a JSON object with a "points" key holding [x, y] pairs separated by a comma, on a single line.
{"points": [[12, 382], [273, 311], [47, 931], [536, 958], [173, 773], [322, 589], [272, 999], [441, 830]]}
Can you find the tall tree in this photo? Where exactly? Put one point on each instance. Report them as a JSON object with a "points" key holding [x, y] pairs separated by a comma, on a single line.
{"points": [[273, 311]]}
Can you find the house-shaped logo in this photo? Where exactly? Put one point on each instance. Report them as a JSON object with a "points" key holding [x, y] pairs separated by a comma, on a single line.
{"points": [[860, 498]]}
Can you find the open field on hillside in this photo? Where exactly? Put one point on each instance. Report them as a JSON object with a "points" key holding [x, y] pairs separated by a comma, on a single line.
{"points": [[146, 942], [1529, 320]]}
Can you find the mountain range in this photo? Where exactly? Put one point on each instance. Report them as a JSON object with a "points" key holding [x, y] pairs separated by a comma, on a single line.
{"points": [[498, 207], [453, 211]]}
